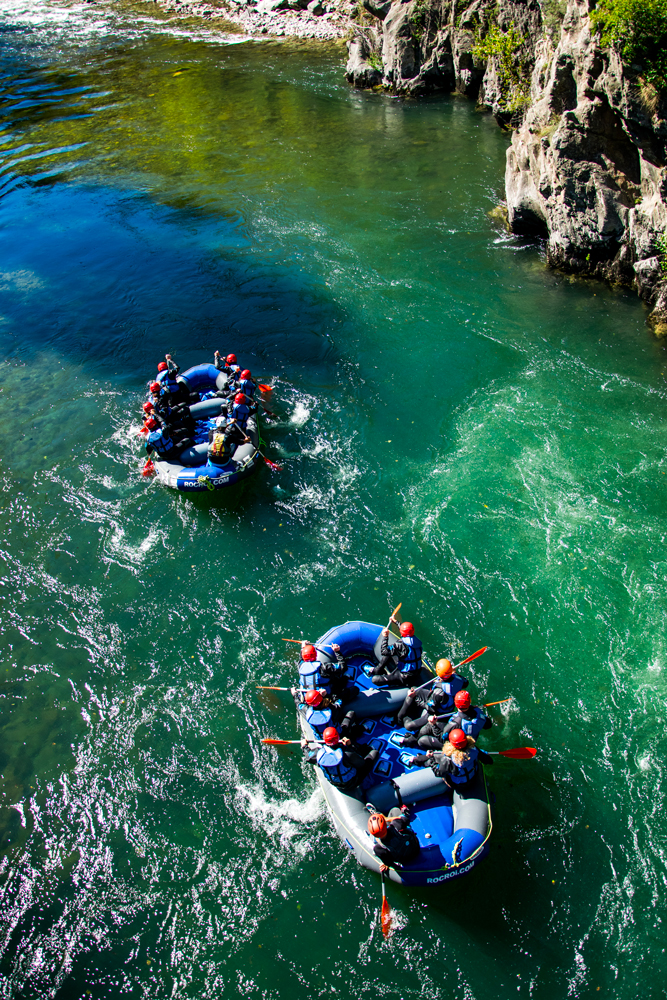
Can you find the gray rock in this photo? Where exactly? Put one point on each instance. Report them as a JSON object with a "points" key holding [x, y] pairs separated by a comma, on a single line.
{"points": [[359, 70], [315, 7]]}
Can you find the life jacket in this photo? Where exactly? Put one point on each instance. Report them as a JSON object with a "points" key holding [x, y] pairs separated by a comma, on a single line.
{"points": [[246, 386], [467, 770], [240, 413], [403, 844], [472, 727], [171, 385], [413, 659], [332, 762], [443, 692], [319, 719], [219, 450], [310, 676], [161, 441]]}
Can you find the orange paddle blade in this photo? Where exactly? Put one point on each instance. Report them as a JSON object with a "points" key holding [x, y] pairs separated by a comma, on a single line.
{"points": [[473, 657], [148, 469], [519, 753], [265, 388], [294, 640], [385, 917], [278, 743], [272, 465], [501, 702]]}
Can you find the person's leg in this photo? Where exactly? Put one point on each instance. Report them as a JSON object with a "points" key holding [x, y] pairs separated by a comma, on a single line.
{"points": [[409, 741], [429, 743], [367, 766], [414, 725], [406, 708]]}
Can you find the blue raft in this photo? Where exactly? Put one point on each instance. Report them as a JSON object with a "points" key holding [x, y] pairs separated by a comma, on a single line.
{"points": [[453, 829], [192, 472]]}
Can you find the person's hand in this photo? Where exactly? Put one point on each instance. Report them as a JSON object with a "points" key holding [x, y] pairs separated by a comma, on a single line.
{"points": [[167, 357], [335, 647], [217, 354], [404, 808], [429, 753], [384, 868], [411, 692], [346, 741], [385, 631], [432, 719], [304, 743]]}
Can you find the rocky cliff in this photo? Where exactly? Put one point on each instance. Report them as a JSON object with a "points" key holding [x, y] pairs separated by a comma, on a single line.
{"points": [[586, 165]]}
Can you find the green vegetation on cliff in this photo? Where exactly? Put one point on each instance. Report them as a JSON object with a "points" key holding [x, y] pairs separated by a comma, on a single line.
{"points": [[638, 30], [504, 47]]}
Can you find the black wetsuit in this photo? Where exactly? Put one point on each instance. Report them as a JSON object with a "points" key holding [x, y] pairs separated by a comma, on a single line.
{"points": [[400, 844], [389, 656]]}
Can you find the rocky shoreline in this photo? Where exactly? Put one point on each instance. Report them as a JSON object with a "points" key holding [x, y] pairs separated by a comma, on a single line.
{"points": [[317, 19], [587, 165]]}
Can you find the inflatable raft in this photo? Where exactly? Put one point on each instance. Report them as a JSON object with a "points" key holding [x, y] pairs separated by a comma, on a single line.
{"points": [[453, 828], [192, 472]]}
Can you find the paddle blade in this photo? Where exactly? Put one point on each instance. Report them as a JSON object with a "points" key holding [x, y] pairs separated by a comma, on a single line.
{"points": [[503, 701], [265, 388], [270, 687], [148, 469], [272, 465], [385, 917], [278, 743], [474, 656], [519, 753]]}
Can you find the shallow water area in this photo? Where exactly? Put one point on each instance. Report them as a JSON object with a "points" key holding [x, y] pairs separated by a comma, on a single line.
{"points": [[460, 430]]}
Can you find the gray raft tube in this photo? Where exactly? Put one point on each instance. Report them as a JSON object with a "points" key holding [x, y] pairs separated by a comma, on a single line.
{"points": [[440, 860]]}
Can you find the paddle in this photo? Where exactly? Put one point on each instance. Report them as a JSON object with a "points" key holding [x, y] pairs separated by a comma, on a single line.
{"points": [[148, 469], [272, 465], [269, 687], [301, 642], [394, 613], [502, 702], [462, 663], [385, 912], [264, 388], [518, 753], [284, 743]]}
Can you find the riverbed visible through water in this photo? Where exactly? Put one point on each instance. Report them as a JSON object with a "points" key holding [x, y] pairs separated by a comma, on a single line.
{"points": [[460, 429]]}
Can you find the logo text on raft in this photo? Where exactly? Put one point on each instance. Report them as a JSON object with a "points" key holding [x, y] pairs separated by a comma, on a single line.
{"points": [[458, 871], [193, 484]]}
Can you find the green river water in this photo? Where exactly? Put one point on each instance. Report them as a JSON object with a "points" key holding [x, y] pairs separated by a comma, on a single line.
{"points": [[460, 429]]}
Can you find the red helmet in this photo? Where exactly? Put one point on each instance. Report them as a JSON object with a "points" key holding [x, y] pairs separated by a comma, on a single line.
{"points": [[148, 407], [407, 628], [462, 700], [152, 424], [156, 387], [377, 825], [330, 736], [162, 367], [246, 373], [313, 698], [231, 359], [239, 397], [308, 652], [458, 739]]}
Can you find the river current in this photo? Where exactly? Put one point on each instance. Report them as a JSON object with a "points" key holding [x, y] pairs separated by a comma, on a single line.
{"points": [[460, 430]]}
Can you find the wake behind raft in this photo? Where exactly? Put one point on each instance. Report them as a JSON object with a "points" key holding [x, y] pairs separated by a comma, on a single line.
{"points": [[192, 472], [453, 829]]}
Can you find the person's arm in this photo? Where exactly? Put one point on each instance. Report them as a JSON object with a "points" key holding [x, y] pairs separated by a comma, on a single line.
{"points": [[487, 723], [311, 757], [444, 766], [382, 852], [485, 757], [171, 364]]}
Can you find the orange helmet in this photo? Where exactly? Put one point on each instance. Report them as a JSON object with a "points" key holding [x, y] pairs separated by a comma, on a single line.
{"points": [[407, 628], [313, 698], [458, 739], [377, 825], [308, 652], [443, 668], [239, 397], [330, 736]]}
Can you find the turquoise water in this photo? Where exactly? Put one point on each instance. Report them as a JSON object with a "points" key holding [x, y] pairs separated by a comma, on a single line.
{"points": [[460, 429]]}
